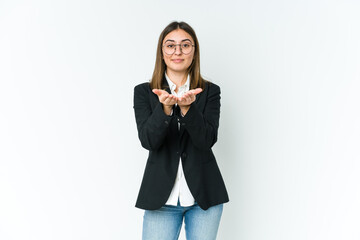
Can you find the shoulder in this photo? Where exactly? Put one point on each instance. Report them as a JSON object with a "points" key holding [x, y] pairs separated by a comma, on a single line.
{"points": [[142, 87], [145, 85], [212, 87]]}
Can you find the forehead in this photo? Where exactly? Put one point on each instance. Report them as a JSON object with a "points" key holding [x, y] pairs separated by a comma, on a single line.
{"points": [[178, 35]]}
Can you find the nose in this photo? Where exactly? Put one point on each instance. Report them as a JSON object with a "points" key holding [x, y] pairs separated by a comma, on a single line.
{"points": [[178, 50]]}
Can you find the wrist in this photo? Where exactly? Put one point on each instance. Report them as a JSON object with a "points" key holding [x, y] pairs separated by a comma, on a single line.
{"points": [[184, 109], [168, 109]]}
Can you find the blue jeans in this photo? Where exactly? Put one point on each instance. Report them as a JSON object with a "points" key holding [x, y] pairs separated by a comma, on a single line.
{"points": [[165, 223]]}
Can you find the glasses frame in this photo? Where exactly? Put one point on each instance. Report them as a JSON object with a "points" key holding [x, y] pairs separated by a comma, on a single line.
{"points": [[179, 44]]}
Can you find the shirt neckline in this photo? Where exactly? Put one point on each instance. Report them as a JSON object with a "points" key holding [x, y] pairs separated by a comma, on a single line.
{"points": [[172, 85]]}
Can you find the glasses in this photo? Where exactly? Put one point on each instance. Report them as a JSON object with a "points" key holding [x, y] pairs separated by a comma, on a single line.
{"points": [[185, 47]]}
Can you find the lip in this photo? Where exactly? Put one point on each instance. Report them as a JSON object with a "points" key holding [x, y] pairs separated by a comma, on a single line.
{"points": [[177, 60]]}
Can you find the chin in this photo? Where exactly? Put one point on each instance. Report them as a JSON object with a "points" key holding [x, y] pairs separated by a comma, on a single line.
{"points": [[179, 69]]}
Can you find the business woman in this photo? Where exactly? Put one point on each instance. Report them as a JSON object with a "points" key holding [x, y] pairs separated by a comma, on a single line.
{"points": [[177, 116]]}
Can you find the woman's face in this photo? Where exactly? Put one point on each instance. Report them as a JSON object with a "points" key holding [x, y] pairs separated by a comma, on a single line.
{"points": [[178, 61]]}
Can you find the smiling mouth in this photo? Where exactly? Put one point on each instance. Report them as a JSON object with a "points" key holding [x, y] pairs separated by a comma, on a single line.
{"points": [[177, 60]]}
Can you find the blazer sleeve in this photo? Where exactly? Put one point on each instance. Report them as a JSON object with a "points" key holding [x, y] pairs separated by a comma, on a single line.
{"points": [[203, 126], [152, 123]]}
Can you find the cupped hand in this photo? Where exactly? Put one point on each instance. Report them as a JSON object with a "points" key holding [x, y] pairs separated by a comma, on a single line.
{"points": [[189, 97], [165, 98]]}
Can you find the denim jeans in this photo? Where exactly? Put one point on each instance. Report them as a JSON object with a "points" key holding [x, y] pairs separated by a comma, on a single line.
{"points": [[165, 223]]}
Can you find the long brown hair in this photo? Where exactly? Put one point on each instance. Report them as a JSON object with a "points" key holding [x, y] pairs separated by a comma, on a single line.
{"points": [[196, 81]]}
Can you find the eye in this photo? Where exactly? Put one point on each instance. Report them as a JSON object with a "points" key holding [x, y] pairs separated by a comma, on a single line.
{"points": [[170, 46]]}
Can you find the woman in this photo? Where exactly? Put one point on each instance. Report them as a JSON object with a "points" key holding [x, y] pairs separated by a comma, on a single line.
{"points": [[177, 117]]}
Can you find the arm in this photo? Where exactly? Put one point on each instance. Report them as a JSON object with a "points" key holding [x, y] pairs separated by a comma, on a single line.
{"points": [[152, 124], [203, 126]]}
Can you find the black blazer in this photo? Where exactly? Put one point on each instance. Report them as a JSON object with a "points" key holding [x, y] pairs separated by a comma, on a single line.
{"points": [[160, 135]]}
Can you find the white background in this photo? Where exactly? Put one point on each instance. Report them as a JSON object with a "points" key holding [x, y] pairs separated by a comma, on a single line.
{"points": [[289, 139]]}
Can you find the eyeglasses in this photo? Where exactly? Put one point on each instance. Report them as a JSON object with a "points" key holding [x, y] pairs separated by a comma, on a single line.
{"points": [[185, 47]]}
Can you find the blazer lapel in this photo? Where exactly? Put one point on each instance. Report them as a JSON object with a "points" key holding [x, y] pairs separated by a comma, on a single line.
{"points": [[199, 102], [165, 85]]}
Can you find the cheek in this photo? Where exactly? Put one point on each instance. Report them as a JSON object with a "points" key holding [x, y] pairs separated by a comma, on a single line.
{"points": [[191, 59], [166, 59]]}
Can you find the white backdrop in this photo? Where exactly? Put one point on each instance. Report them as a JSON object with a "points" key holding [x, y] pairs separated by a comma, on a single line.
{"points": [[289, 138]]}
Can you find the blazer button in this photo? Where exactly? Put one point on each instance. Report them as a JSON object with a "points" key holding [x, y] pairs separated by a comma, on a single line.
{"points": [[166, 122], [184, 155]]}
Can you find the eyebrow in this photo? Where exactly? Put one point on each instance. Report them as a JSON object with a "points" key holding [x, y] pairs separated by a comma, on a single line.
{"points": [[170, 40]]}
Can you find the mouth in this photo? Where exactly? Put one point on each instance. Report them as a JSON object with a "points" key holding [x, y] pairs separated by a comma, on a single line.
{"points": [[177, 60]]}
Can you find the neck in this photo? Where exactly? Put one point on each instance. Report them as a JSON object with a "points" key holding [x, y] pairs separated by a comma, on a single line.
{"points": [[179, 78]]}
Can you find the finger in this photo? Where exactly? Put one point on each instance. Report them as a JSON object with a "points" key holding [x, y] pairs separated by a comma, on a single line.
{"points": [[168, 100], [159, 92], [156, 91], [196, 91], [173, 99], [181, 99], [188, 96], [163, 97], [191, 98], [185, 100]]}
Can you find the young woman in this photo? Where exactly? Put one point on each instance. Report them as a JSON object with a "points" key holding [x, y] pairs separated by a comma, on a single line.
{"points": [[177, 117]]}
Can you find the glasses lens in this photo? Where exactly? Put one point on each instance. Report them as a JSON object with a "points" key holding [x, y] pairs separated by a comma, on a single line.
{"points": [[186, 47], [169, 48]]}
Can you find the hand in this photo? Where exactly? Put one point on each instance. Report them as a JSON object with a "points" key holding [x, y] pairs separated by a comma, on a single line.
{"points": [[167, 100], [187, 99]]}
